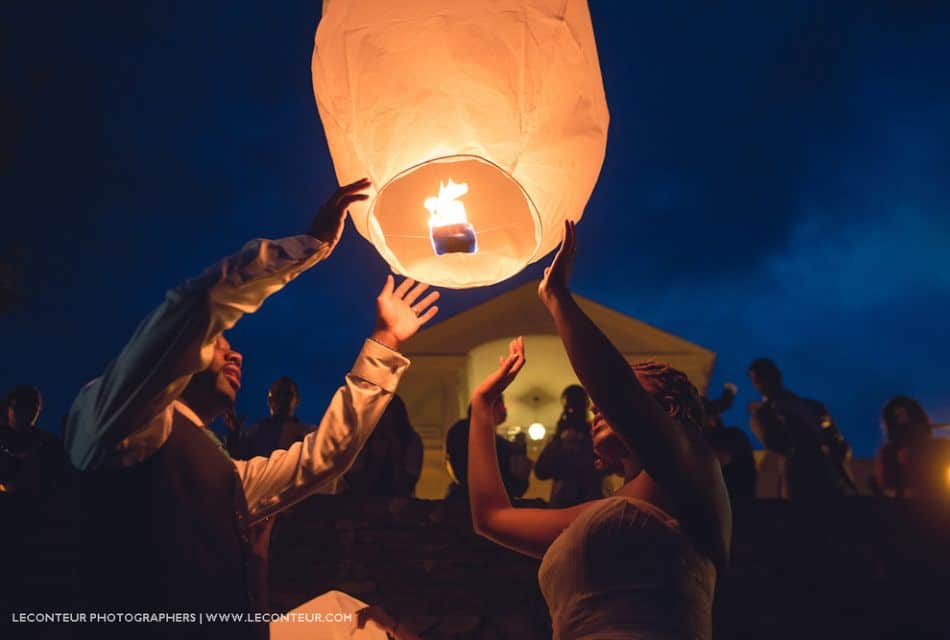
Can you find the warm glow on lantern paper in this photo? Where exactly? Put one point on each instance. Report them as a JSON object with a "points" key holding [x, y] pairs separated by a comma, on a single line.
{"points": [[504, 97]]}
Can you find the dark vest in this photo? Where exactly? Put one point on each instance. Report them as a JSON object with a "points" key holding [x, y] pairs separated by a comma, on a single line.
{"points": [[169, 535]]}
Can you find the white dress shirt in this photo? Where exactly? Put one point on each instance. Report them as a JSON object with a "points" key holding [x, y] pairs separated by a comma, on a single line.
{"points": [[124, 416]]}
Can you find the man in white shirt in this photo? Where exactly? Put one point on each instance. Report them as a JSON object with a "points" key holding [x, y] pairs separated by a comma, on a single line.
{"points": [[165, 511]]}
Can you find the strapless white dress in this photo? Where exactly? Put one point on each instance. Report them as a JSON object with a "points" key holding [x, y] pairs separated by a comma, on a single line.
{"points": [[623, 570]]}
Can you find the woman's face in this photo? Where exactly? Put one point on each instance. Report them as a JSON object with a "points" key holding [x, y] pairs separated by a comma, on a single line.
{"points": [[610, 449]]}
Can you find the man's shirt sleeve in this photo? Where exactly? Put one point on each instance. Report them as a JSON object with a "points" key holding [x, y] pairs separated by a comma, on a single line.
{"points": [[125, 415], [284, 478]]}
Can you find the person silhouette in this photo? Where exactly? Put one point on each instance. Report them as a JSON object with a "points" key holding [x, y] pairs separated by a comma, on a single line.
{"points": [[32, 461], [166, 512], [643, 562]]}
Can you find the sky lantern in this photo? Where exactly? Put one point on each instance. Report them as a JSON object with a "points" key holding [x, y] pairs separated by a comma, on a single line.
{"points": [[482, 125]]}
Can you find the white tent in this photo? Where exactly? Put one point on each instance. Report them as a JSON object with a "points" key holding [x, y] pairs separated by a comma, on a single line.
{"points": [[451, 357]]}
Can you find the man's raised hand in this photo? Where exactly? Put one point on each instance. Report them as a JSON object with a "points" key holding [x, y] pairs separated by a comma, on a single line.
{"points": [[400, 313], [327, 225]]}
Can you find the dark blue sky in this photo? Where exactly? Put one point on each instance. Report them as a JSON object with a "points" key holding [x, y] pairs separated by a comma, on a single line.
{"points": [[776, 183]]}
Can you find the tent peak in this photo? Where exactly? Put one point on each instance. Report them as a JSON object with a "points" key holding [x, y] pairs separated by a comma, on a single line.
{"points": [[518, 311]]}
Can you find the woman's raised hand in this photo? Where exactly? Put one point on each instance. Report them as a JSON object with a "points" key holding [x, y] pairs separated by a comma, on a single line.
{"points": [[494, 385], [554, 283]]}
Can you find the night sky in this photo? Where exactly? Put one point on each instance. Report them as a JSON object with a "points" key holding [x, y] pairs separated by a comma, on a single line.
{"points": [[776, 183]]}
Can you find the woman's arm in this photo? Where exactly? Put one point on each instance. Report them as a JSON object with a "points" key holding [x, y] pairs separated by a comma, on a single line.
{"points": [[676, 458], [528, 531]]}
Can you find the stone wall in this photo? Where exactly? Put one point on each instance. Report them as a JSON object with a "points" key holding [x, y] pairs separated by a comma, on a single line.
{"points": [[857, 568]]}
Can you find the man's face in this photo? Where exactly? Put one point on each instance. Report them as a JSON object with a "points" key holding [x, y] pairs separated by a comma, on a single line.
{"points": [[225, 368], [24, 411], [576, 403], [282, 401]]}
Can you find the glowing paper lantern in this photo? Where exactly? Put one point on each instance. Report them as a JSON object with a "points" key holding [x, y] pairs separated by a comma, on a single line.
{"points": [[482, 124]]}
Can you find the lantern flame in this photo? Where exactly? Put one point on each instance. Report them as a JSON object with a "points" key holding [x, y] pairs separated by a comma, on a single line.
{"points": [[449, 229], [446, 209]]}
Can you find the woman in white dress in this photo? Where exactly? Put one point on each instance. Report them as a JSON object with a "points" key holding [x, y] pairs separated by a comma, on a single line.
{"points": [[643, 563]]}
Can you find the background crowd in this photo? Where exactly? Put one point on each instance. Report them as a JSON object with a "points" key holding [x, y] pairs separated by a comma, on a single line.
{"points": [[811, 451]]}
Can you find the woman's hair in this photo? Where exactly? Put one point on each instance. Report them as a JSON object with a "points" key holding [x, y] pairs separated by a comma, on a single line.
{"points": [[673, 390], [904, 433]]}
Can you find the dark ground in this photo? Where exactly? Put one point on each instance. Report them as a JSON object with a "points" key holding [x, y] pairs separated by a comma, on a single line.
{"points": [[856, 568]]}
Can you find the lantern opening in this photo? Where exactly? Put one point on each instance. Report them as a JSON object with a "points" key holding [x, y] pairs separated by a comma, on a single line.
{"points": [[449, 228], [490, 235]]}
